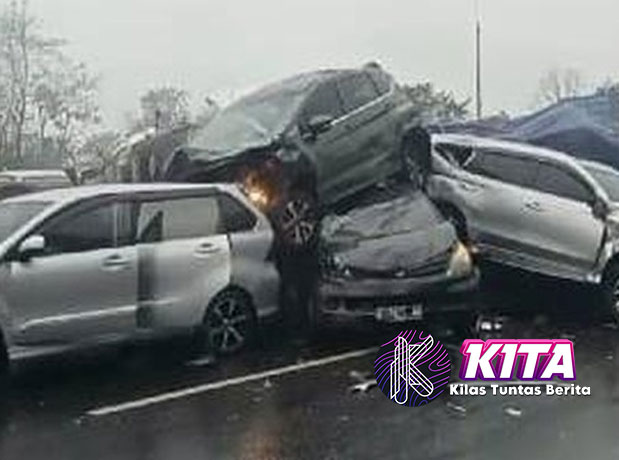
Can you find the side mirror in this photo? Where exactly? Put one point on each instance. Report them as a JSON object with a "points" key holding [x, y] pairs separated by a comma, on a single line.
{"points": [[599, 208], [318, 124], [32, 246]]}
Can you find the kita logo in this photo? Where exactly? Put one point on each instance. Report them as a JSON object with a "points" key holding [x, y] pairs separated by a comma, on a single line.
{"points": [[531, 359], [412, 369]]}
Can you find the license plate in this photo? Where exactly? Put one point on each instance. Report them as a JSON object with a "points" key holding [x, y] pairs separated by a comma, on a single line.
{"points": [[399, 313]]}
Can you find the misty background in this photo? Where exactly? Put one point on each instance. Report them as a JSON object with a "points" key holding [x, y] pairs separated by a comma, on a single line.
{"points": [[223, 47]]}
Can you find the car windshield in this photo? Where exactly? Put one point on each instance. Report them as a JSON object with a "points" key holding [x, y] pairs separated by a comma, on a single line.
{"points": [[15, 215], [251, 122], [608, 180]]}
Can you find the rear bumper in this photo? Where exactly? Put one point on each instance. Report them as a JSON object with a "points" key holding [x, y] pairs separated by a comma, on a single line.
{"points": [[361, 298]]}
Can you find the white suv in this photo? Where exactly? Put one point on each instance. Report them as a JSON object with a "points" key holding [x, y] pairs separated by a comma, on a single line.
{"points": [[92, 264], [532, 208]]}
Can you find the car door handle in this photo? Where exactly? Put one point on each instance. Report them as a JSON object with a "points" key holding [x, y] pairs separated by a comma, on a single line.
{"points": [[534, 206], [206, 249], [115, 262]]}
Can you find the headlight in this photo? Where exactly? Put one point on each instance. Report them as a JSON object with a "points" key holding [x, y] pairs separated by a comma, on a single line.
{"points": [[257, 191], [461, 263], [258, 196]]}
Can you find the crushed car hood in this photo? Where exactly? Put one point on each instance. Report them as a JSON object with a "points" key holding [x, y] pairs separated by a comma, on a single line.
{"points": [[405, 232]]}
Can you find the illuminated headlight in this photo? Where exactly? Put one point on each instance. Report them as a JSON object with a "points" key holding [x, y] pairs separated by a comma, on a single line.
{"points": [[461, 263], [258, 196]]}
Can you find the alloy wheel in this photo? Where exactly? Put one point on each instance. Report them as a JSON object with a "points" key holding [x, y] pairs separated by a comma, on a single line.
{"points": [[228, 323], [297, 222]]}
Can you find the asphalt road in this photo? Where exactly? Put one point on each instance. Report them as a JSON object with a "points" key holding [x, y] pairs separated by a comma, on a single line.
{"points": [[315, 401]]}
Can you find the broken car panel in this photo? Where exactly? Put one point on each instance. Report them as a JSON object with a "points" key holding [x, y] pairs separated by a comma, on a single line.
{"points": [[395, 260], [307, 141], [532, 208]]}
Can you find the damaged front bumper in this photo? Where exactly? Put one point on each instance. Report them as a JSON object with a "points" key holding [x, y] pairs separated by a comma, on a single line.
{"points": [[369, 298]]}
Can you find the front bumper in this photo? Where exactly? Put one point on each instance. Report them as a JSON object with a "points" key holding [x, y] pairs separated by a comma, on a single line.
{"points": [[361, 298]]}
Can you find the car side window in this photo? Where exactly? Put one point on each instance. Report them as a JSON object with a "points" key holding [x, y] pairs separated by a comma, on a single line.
{"points": [[235, 217], [325, 100], [557, 181], [177, 218], [456, 154], [503, 167], [357, 90], [80, 231]]}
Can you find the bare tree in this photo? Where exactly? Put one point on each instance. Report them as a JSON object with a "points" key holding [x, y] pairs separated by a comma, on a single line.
{"points": [[164, 108], [433, 104], [560, 84], [46, 100]]}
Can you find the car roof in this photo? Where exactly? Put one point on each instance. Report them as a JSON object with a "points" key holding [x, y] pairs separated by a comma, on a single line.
{"points": [[67, 195], [501, 144], [302, 83]]}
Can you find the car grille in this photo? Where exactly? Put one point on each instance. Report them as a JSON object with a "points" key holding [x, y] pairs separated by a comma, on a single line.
{"points": [[435, 266]]}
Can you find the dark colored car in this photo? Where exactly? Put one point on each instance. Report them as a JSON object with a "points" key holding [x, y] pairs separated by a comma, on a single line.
{"points": [[305, 142], [21, 182], [396, 260]]}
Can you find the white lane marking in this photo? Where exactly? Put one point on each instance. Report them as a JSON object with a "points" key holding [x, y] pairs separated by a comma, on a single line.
{"points": [[179, 394]]}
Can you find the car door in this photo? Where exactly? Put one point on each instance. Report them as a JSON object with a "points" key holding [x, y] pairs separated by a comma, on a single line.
{"points": [[184, 258], [84, 285], [491, 192], [368, 156], [328, 147], [558, 220]]}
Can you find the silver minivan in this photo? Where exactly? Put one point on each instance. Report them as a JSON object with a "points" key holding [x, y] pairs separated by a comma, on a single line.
{"points": [[106, 263], [531, 207]]}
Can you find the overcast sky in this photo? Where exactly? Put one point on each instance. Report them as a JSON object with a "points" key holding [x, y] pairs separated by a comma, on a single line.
{"points": [[225, 46]]}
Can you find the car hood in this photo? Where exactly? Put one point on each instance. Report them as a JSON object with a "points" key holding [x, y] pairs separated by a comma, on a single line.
{"points": [[405, 233]]}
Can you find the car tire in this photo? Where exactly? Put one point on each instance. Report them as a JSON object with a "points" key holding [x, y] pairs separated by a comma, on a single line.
{"points": [[610, 292], [229, 323], [296, 222]]}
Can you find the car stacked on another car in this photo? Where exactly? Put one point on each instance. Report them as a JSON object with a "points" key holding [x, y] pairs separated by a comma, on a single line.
{"points": [[397, 259], [90, 264], [532, 208], [303, 143]]}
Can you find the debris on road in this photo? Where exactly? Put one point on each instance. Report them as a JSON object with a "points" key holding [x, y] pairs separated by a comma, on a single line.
{"points": [[513, 411], [363, 387], [457, 408]]}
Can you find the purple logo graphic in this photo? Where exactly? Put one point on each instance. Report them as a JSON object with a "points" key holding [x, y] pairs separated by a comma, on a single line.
{"points": [[413, 369]]}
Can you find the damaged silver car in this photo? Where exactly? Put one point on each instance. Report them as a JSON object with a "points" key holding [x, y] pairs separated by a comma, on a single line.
{"points": [[89, 265], [392, 261], [532, 208]]}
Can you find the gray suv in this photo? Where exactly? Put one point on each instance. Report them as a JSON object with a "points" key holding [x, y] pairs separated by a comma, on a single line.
{"points": [[311, 139], [532, 208], [88, 265]]}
